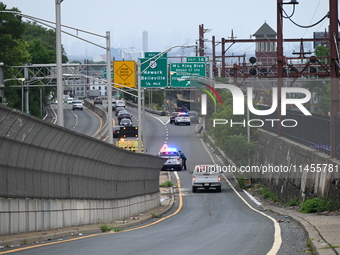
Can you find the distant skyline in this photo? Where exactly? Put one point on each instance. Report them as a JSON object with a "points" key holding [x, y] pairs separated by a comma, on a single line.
{"points": [[174, 22]]}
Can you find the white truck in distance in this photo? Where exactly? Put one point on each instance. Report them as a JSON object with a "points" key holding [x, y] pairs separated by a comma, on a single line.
{"points": [[206, 177], [94, 93]]}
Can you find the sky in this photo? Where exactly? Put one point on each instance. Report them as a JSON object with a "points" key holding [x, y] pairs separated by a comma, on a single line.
{"points": [[171, 22]]}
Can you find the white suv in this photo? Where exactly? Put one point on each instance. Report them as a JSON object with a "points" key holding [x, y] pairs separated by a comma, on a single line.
{"points": [[182, 118]]}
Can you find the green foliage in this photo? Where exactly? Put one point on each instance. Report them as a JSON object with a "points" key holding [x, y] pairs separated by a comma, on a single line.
{"points": [[239, 149], [156, 99], [42, 44], [317, 204], [269, 195], [293, 202], [167, 183], [106, 228], [155, 215], [322, 51], [240, 182], [231, 138], [25, 42]]}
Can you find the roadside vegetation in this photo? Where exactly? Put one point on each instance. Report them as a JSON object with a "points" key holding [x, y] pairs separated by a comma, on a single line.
{"points": [[317, 204], [235, 143], [107, 228], [25, 42], [167, 183]]}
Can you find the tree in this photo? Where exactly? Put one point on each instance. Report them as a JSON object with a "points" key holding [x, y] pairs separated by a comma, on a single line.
{"points": [[42, 44], [21, 43], [13, 50], [322, 51], [231, 138]]}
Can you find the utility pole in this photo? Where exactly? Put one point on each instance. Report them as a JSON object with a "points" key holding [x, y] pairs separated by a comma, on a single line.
{"points": [[60, 89], [280, 62], [201, 40], [223, 57], [334, 71]]}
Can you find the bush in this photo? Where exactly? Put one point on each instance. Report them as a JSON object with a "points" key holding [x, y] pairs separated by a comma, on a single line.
{"points": [[293, 202], [317, 204], [167, 183], [269, 195]]}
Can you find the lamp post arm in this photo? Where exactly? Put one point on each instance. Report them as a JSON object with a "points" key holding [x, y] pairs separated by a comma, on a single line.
{"points": [[41, 21]]}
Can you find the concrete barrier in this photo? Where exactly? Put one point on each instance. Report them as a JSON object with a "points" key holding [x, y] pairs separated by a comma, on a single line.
{"points": [[29, 215], [51, 176]]}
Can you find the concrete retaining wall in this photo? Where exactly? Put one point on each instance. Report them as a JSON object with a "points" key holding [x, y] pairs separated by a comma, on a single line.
{"points": [[275, 151], [27, 215], [52, 177]]}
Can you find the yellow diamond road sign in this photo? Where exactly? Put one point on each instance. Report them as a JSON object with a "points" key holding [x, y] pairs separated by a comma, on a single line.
{"points": [[124, 73]]}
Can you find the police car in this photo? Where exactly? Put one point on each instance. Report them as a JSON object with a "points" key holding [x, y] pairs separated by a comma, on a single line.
{"points": [[182, 118], [174, 161]]}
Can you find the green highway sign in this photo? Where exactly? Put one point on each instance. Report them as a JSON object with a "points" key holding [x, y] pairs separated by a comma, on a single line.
{"points": [[154, 73], [105, 72], [152, 54], [196, 59], [180, 73]]}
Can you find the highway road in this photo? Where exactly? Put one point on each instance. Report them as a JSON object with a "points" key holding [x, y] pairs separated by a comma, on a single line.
{"points": [[199, 223], [81, 121]]}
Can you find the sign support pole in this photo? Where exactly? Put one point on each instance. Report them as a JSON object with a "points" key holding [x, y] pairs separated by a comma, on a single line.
{"points": [[139, 101]]}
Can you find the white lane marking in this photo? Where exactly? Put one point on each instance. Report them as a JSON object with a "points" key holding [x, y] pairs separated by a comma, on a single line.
{"points": [[277, 230], [75, 125], [55, 115], [165, 126]]}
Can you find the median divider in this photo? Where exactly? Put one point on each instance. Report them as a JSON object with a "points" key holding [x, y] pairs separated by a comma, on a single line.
{"points": [[102, 114]]}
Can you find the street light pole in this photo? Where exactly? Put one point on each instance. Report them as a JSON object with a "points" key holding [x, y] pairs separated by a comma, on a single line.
{"points": [[109, 87], [60, 110]]}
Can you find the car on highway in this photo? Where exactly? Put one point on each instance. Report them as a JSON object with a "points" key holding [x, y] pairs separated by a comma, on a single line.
{"points": [[123, 115], [193, 116], [182, 118], [173, 160], [77, 104], [125, 122], [97, 100], [173, 116], [120, 103], [70, 100], [119, 108], [116, 131], [114, 104], [206, 177]]}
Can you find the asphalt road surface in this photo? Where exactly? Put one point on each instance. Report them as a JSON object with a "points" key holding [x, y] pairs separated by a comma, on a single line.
{"points": [[200, 223]]}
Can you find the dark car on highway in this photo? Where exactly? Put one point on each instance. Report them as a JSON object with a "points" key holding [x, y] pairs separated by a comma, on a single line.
{"points": [[125, 122], [116, 132], [97, 100], [119, 108], [173, 116], [124, 115]]}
